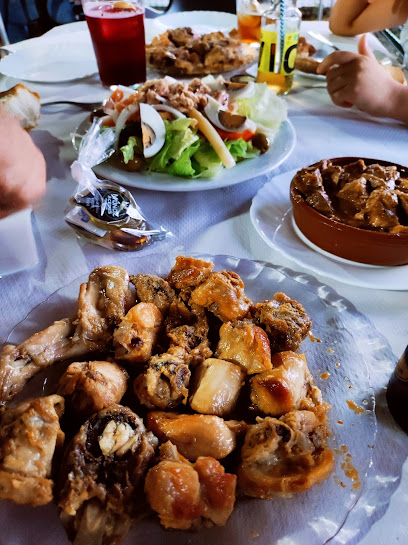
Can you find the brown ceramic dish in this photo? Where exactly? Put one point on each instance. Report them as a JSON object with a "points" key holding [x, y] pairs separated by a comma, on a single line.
{"points": [[345, 241]]}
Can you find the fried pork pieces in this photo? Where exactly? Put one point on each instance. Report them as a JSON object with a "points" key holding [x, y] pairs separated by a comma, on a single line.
{"points": [[196, 354]]}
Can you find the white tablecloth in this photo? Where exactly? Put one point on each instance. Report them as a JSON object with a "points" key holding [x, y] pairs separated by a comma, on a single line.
{"points": [[218, 222]]}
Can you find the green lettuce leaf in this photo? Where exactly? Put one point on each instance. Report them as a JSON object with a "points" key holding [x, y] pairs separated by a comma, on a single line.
{"points": [[134, 145], [179, 137], [240, 149]]}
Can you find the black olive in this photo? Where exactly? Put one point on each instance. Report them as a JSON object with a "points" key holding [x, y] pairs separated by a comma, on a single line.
{"points": [[260, 142]]}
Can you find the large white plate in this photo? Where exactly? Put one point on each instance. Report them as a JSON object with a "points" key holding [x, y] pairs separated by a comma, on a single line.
{"points": [[51, 61], [312, 517], [281, 148], [271, 215], [200, 20]]}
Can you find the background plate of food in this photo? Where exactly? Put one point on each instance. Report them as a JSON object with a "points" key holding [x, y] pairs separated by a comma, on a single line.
{"points": [[196, 43], [313, 515]]}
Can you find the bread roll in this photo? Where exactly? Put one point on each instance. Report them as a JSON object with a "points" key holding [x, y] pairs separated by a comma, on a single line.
{"points": [[23, 104]]}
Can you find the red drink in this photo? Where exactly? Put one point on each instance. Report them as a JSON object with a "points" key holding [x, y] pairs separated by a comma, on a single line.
{"points": [[117, 32]]}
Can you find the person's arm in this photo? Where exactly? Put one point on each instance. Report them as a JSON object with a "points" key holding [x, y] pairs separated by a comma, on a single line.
{"points": [[359, 80], [352, 17], [22, 167]]}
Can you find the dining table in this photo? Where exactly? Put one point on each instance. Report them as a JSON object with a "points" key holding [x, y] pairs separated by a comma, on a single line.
{"points": [[40, 253]]}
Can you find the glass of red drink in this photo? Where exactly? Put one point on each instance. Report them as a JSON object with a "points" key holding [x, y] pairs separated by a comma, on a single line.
{"points": [[117, 32]]}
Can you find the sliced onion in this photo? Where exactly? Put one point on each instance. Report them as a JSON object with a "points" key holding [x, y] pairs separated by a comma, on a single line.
{"points": [[177, 114]]}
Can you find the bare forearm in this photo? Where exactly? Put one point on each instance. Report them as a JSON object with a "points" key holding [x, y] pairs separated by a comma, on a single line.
{"points": [[352, 17]]}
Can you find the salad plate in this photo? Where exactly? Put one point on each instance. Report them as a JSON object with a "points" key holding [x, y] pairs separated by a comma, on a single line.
{"points": [[321, 511], [179, 136], [279, 151]]}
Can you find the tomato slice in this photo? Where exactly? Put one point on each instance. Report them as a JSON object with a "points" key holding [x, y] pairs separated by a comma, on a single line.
{"points": [[246, 135]]}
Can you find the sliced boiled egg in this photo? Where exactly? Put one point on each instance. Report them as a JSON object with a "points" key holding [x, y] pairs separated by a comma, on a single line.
{"points": [[226, 120], [153, 130]]}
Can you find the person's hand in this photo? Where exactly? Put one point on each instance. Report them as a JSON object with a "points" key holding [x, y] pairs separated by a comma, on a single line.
{"points": [[22, 167], [359, 80]]}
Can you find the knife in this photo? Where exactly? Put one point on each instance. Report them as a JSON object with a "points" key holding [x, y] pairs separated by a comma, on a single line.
{"points": [[322, 39]]}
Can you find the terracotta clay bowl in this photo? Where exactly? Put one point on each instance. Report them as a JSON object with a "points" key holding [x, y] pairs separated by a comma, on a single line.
{"points": [[345, 241]]}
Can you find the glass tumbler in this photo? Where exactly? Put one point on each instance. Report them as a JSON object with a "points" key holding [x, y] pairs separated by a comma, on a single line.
{"points": [[118, 39], [249, 16]]}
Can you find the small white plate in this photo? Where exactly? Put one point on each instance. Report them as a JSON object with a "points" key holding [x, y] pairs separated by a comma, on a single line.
{"points": [[280, 149], [271, 215], [51, 62], [18, 248]]}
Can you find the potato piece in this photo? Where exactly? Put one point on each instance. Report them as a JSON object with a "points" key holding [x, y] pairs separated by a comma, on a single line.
{"points": [[245, 344], [195, 434], [279, 391], [218, 384]]}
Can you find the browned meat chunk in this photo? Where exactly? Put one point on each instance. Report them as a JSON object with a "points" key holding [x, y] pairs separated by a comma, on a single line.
{"points": [[308, 181], [403, 200], [403, 184], [353, 170], [380, 211], [102, 476], [182, 36], [153, 289], [194, 434], [90, 386], [388, 174], [320, 201], [331, 174], [191, 336], [137, 335], [223, 294], [164, 383], [29, 435], [245, 344], [188, 272], [353, 196], [189, 495], [284, 320], [284, 456]]}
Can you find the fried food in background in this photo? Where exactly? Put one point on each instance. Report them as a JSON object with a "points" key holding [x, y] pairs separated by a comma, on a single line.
{"points": [[304, 61], [183, 52], [23, 104]]}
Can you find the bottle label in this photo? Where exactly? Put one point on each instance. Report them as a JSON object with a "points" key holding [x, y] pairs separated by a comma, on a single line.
{"points": [[268, 53], [402, 367]]}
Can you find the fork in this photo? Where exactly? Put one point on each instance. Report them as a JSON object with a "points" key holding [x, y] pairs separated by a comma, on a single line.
{"points": [[85, 105]]}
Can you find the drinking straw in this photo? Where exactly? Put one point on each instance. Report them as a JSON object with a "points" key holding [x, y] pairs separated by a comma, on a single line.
{"points": [[282, 28]]}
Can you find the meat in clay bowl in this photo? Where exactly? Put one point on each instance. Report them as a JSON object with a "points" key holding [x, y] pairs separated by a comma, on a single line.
{"points": [[353, 432], [354, 208]]}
